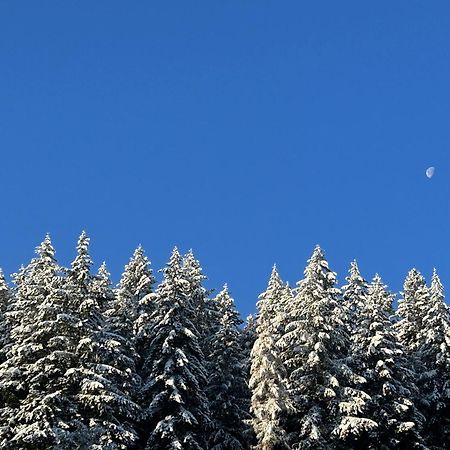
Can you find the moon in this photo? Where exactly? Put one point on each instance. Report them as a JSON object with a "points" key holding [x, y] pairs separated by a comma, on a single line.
{"points": [[430, 172]]}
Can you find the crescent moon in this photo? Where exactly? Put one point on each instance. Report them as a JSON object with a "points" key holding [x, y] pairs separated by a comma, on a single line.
{"points": [[430, 172]]}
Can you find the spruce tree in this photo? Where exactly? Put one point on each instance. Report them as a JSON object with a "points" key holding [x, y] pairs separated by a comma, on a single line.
{"points": [[5, 304], [314, 346], [102, 288], [205, 310], [270, 403], [102, 382], [411, 311], [248, 338], [354, 295], [37, 411], [434, 378], [391, 417], [130, 304], [227, 387], [175, 409]]}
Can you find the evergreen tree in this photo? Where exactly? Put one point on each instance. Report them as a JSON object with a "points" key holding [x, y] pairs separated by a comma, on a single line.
{"points": [[102, 288], [270, 401], [102, 382], [314, 346], [411, 311], [36, 407], [130, 304], [434, 357], [248, 338], [354, 294], [205, 310], [391, 418], [227, 387], [5, 303], [175, 407]]}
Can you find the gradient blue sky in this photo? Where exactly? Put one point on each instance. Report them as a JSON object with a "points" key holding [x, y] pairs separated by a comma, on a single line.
{"points": [[249, 131]]}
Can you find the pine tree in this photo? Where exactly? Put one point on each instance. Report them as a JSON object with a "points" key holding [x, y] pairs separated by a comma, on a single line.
{"points": [[174, 403], [227, 387], [391, 418], [102, 382], [270, 401], [434, 357]]}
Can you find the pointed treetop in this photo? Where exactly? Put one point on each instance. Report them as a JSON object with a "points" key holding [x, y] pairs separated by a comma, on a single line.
{"points": [[45, 249], [138, 256], [275, 279], [354, 271], [83, 241], [3, 284], [224, 299], [435, 277], [414, 279], [377, 279], [174, 262], [377, 285], [414, 285], [354, 277], [274, 288], [189, 260], [193, 267], [317, 269], [137, 278], [82, 263], [436, 288], [139, 252], [318, 253], [102, 272], [175, 253]]}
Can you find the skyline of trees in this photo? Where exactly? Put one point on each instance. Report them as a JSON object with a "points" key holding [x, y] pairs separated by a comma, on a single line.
{"points": [[165, 364]]}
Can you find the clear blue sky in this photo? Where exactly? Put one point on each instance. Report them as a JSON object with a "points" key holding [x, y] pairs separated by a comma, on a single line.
{"points": [[249, 131]]}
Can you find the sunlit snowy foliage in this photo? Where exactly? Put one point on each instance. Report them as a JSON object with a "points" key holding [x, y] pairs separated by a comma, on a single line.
{"points": [[165, 365]]}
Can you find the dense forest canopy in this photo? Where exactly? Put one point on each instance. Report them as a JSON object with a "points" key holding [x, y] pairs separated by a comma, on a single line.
{"points": [[160, 363]]}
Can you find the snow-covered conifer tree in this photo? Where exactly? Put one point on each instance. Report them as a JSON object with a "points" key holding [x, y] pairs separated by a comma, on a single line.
{"points": [[130, 303], [391, 418], [270, 403], [5, 303], [102, 381], [411, 311], [434, 378], [248, 338], [205, 310], [175, 409], [36, 407], [102, 287], [227, 387], [354, 294], [314, 346]]}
